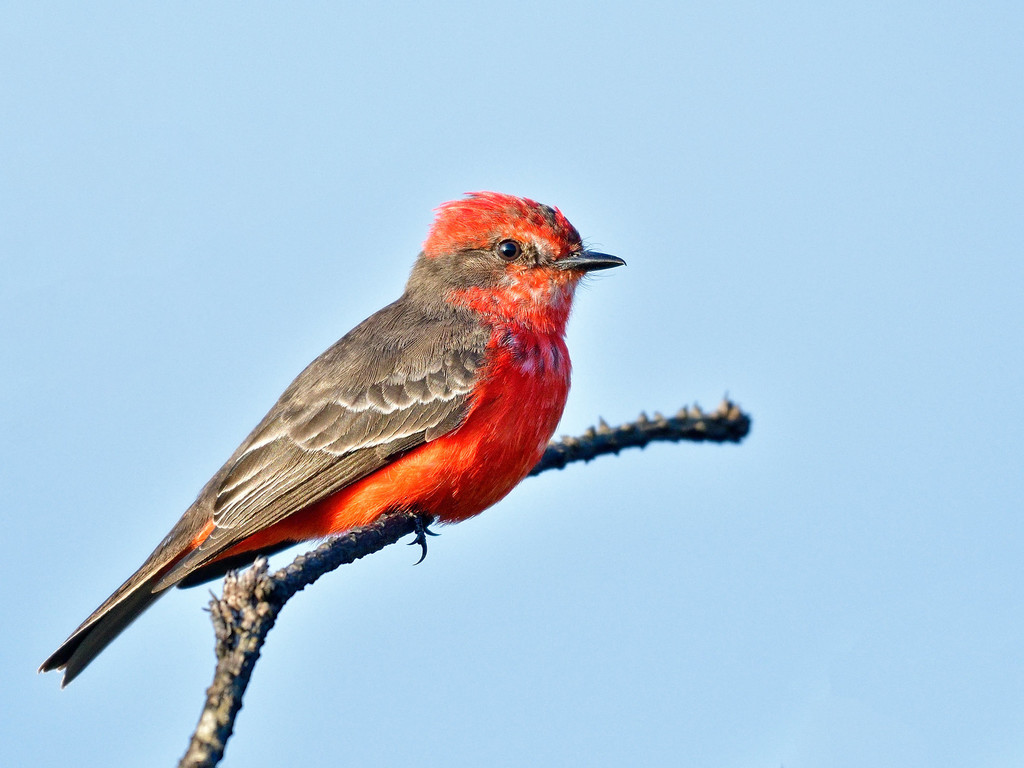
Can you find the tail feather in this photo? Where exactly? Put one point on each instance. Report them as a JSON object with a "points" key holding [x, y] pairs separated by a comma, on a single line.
{"points": [[99, 630], [132, 598], [129, 600]]}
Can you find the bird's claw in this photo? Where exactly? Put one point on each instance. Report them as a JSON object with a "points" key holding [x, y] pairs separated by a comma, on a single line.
{"points": [[422, 531]]}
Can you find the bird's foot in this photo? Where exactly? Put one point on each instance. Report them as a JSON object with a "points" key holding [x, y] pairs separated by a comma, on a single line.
{"points": [[422, 531]]}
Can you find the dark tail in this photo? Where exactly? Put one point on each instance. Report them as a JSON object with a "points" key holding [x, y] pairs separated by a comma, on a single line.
{"points": [[131, 599], [159, 573], [100, 629]]}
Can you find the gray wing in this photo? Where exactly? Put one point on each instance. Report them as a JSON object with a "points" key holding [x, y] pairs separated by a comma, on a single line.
{"points": [[395, 382], [399, 379]]}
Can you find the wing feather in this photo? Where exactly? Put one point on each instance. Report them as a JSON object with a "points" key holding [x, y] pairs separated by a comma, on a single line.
{"points": [[348, 414]]}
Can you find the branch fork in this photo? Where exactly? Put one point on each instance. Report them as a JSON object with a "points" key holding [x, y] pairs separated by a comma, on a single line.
{"points": [[252, 599]]}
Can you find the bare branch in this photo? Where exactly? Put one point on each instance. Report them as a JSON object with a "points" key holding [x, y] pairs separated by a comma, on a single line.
{"points": [[245, 613], [252, 599], [727, 424]]}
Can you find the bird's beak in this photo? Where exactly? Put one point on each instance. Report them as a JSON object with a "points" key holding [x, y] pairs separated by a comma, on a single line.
{"points": [[588, 261]]}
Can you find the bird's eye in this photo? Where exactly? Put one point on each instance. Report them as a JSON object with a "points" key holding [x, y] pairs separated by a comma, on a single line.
{"points": [[509, 250]]}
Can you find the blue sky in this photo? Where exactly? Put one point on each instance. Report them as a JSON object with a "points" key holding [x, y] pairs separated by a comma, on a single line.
{"points": [[821, 209]]}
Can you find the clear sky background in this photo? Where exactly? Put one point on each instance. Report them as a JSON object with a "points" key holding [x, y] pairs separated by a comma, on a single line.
{"points": [[821, 205]]}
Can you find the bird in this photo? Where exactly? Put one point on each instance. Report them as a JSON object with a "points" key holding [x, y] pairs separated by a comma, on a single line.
{"points": [[438, 404]]}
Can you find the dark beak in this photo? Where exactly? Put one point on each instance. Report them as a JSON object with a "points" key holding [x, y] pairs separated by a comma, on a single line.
{"points": [[589, 261]]}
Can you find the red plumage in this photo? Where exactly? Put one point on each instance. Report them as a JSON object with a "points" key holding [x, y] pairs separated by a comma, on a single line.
{"points": [[440, 404]]}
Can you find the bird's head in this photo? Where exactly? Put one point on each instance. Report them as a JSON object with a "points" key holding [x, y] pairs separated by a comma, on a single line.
{"points": [[509, 258]]}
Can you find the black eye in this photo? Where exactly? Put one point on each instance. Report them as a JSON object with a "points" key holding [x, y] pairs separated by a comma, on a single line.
{"points": [[509, 250]]}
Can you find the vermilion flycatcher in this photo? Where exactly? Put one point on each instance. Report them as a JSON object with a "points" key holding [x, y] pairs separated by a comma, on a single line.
{"points": [[439, 404]]}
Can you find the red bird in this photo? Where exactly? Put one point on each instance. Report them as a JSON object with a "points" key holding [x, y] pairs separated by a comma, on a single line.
{"points": [[440, 404]]}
